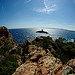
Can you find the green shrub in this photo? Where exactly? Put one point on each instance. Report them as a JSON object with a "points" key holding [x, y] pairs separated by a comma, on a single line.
{"points": [[9, 65], [43, 43], [63, 51], [67, 50]]}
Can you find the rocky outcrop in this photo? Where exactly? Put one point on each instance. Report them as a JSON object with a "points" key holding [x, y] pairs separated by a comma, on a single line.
{"points": [[26, 69], [7, 43], [48, 65], [71, 63], [68, 69], [42, 62], [6, 38], [45, 66], [39, 61], [35, 59], [4, 32]]}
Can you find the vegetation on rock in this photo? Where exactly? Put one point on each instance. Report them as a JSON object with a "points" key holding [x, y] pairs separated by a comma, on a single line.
{"points": [[63, 50], [41, 56], [67, 50], [8, 63]]}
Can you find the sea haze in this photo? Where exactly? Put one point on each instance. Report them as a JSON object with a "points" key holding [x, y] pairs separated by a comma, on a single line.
{"points": [[21, 35]]}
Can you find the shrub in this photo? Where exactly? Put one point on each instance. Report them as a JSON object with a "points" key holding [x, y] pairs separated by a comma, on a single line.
{"points": [[9, 65]]}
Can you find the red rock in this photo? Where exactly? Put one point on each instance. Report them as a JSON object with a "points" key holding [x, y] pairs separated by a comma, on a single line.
{"points": [[47, 65], [64, 71], [26, 69], [6, 39], [59, 66], [31, 48], [43, 52], [71, 63]]}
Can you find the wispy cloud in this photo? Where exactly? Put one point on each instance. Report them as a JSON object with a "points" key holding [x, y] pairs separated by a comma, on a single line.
{"points": [[27, 1], [49, 6]]}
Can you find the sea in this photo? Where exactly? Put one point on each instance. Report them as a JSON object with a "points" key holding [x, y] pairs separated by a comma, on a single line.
{"points": [[22, 34]]}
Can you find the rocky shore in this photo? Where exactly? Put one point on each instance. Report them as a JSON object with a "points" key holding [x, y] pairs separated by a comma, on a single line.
{"points": [[33, 57]]}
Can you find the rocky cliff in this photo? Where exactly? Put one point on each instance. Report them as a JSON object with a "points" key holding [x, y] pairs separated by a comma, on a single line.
{"points": [[38, 57], [6, 38], [42, 62], [39, 61], [7, 42], [8, 63]]}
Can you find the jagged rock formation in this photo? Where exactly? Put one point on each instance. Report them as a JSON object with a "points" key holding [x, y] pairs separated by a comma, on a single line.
{"points": [[6, 42], [6, 38], [34, 59], [7, 48], [41, 62]]}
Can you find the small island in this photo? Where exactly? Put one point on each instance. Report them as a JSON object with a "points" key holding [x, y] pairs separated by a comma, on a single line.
{"points": [[42, 31]]}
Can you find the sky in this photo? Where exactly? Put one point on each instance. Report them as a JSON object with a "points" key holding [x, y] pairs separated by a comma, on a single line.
{"points": [[38, 13]]}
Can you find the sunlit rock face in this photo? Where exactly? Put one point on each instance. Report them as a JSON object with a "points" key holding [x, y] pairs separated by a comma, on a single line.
{"points": [[42, 62], [7, 43], [6, 37], [45, 66], [39, 61]]}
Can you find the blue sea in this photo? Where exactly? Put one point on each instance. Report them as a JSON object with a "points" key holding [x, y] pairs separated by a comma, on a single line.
{"points": [[21, 35]]}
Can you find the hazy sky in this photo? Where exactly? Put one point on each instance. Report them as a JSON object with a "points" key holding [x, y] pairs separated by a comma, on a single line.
{"points": [[38, 13]]}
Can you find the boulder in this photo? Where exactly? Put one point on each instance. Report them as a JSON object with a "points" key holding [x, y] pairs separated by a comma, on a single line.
{"points": [[71, 63], [65, 70], [35, 57], [47, 65], [31, 48], [26, 69]]}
